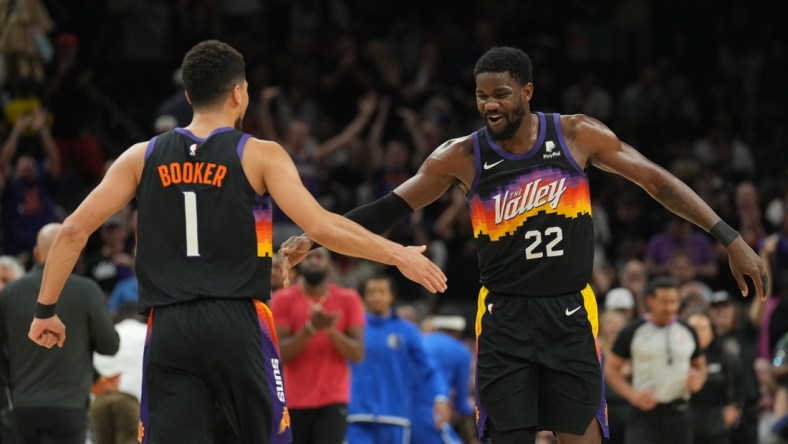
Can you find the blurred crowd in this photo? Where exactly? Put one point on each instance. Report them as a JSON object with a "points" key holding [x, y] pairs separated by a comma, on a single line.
{"points": [[360, 92]]}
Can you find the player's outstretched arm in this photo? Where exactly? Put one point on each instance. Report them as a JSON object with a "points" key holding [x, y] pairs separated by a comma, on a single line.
{"points": [[334, 231], [449, 163], [113, 193], [608, 153]]}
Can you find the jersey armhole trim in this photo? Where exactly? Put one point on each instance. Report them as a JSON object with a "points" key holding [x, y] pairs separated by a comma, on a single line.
{"points": [[241, 145], [151, 145], [477, 160], [560, 133]]}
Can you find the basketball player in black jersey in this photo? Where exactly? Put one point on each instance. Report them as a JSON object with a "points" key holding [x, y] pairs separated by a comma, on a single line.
{"points": [[204, 260], [524, 175]]}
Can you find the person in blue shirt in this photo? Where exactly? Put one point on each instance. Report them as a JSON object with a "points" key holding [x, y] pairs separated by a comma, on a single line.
{"points": [[453, 359], [396, 362]]}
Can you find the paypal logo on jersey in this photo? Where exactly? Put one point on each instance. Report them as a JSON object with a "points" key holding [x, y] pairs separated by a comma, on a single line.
{"points": [[549, 146], [533, 195]]}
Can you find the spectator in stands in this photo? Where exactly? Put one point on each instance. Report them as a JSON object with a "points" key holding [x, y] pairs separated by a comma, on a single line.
{"points": [[321, 329], [454, 362], [716, 408], [382, 399], [589, 98], [749, 214], [72, 97], [622, 300], [737, 335], [114, 413], [308, 155], [722, 150], [633, 277], [611, 322], [694, 297], [113, 262], [27, 189], [50, 389], [175, 107], [10, 270], [681, 235], [681, 268]]}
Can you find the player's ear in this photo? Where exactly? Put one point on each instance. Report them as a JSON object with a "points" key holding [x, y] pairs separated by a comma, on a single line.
{"points": [[187, 97], [238, 94], [527, 91]]}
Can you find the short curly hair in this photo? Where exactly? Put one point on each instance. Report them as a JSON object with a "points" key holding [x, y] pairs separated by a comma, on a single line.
{"points": [[210, 70], [506, 58]]}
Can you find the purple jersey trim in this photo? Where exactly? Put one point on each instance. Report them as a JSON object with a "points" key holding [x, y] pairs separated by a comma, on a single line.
{"points": [[191, 135], [477, 157], [144, 421], [601, 413], [281, 432], [241, 145], [149, 150], [534, 149], [562, 141]]}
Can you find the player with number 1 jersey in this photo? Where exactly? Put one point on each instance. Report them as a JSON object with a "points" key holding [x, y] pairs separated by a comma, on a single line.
{"points": [[217, 217], [204, 260], [215, 246]]}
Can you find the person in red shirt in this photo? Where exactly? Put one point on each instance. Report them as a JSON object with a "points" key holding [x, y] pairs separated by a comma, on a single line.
{"points": [[320, 327]]}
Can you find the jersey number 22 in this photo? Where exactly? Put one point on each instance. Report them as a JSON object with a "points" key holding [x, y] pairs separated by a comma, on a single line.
{"points": [[552, 234]]}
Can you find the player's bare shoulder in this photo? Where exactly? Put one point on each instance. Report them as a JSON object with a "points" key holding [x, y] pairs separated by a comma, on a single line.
{"points": [[453, 158], [258, 152], [133, 159], [258, 156], [586, 136]]}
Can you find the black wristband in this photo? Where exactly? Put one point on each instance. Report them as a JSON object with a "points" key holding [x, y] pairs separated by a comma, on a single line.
{"points": [[724, 233], [44, 311]]}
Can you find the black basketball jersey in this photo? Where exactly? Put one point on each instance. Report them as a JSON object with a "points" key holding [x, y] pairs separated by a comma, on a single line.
{"points": [[202, 232], [531, 215]]}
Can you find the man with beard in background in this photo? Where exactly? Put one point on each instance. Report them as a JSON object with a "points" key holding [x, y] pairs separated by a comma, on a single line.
{"points": [[320, 327]]}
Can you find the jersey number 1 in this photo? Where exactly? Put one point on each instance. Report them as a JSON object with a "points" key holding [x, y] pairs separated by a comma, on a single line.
{"points": [[190, 209]]}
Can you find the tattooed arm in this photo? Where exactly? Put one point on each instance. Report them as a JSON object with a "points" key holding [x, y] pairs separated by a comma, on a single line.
{"points": [[592, 143]]}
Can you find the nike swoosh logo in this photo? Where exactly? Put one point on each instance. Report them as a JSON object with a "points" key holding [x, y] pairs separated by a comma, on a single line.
{"points": [[487, 166], [571, 312]]}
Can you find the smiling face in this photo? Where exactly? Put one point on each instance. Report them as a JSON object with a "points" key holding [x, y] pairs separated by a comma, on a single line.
{"points": [[502, 102]]}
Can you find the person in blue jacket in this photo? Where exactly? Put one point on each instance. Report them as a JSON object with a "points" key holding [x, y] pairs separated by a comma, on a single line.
{"points": [[453, 359], [396, 362]]}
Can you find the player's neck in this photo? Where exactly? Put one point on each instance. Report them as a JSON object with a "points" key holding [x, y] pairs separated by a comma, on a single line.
{"points": [[204, 122]]}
